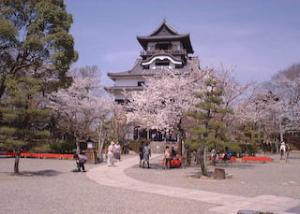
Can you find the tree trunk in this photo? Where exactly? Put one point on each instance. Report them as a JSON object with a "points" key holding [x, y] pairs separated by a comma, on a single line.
{"points": [[77, 145], [281, 132], [181, 136], [2, 86], [16, 165], [100, 143], [201, 158]]}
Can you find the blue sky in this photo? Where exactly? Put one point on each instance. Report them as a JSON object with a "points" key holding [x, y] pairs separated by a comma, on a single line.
{"points": [[256, 38]]}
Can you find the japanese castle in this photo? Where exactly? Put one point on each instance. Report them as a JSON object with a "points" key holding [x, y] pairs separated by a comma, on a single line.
{"points": [[164, 48]]}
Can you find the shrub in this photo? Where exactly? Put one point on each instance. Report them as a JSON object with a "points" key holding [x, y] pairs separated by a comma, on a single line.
{"points": [[135, 144], [220, 147], [42, 148], [63, 147], [249, 149], [233, 146]]}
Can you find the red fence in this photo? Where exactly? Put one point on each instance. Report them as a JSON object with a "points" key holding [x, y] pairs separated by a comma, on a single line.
{"points": [[41, 155], [257, 158]]}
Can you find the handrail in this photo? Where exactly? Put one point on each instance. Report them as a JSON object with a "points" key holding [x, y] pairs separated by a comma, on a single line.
{"points": [[173, 52]]}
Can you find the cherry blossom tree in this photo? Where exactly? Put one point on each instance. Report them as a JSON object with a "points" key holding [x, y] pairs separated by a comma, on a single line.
{"points": [[82, 108], [274, 105], [165, 99], [288, 84]]}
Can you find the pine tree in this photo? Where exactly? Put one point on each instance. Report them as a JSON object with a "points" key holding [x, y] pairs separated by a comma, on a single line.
{"points": [[208, 126], [35, 40], [23, 118]]}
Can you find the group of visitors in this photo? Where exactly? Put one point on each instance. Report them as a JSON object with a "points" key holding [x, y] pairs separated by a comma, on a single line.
{"points": [[113, 153], [145, 154]]}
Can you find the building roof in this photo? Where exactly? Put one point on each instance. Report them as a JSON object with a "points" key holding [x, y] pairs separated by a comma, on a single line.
{"points": [[139, 71], [166, 54], [166, 33], [164, 30]]}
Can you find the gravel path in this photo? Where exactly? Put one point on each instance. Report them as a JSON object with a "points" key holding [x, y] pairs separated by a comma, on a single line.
{"points": [[223, 203], [248, 179], [49, 186]]}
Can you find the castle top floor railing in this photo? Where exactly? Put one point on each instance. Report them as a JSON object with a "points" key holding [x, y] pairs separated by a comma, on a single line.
{"points": [[172, 52]]}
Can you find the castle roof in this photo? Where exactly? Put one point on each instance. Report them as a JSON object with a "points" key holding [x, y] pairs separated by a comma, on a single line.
{"points": [[165, 33], [139, 71]]}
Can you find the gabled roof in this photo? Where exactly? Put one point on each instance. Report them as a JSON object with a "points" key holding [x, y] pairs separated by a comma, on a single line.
{"points": [[164, 30], [166, 33]]}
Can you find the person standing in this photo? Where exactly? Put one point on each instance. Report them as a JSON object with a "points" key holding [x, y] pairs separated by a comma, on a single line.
{"points": [[213, 156], [282, 149], [117, 152], [110, 154], [141, 153], [287, 151], [146, 155], [167, 158], [173, 153]]}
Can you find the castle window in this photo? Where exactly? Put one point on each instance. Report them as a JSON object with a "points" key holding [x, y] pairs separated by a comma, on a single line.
{"points": [[162, 62], [163, 46], [140, 83]]}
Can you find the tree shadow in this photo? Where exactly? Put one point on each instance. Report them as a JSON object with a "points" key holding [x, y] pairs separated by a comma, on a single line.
{"points": [[236, 165], [294, 209], [293, 158], [154, 166], [42, 173]]}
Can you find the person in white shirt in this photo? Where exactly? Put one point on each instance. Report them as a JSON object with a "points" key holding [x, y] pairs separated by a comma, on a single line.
{"points": [[110, 154], [282, 149]]}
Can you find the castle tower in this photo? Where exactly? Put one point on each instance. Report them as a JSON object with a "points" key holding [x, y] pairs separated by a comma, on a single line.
{"points": [[164, 48]]}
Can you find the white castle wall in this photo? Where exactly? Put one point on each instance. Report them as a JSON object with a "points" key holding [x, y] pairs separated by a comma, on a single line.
{"points": [[127, 82]]}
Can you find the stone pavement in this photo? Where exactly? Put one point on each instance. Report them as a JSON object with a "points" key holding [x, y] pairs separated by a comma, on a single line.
{"points": [[225, 203]]}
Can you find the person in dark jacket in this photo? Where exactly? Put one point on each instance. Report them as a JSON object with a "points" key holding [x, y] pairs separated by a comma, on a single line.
{"points": [[80, 161], [146, 155], [141, 153]]}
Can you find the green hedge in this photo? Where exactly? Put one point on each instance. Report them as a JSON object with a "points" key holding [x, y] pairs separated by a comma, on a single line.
{"points": [[249, 149], [63, 147], [241, 148], [135, 144]]}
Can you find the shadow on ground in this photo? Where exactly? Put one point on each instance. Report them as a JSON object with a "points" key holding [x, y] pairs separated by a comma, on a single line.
{"points": [[157, 166], [46, 173], [237, 165], [294, 209]]}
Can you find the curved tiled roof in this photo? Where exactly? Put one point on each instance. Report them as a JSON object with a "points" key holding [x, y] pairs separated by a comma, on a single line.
{"points": [[159, 54], [138, 70], [166, 33]]}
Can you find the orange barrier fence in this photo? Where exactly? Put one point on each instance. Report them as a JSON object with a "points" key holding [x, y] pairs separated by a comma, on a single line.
{"points": [[257, 158], [41, 155], [232, 158]]}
